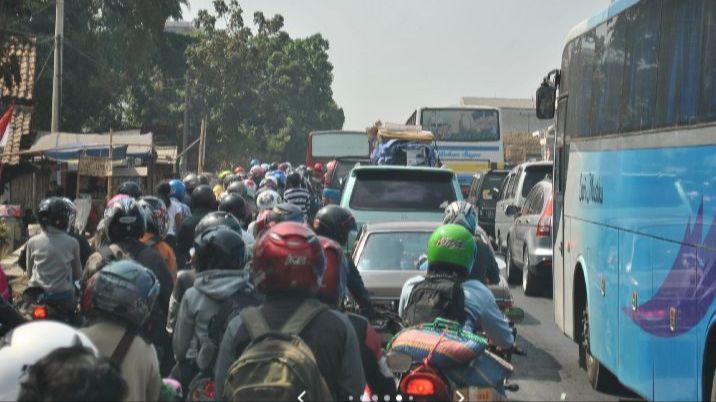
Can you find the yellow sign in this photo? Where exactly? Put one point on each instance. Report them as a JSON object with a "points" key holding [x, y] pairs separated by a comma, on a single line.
{"points": [[471, 167]]}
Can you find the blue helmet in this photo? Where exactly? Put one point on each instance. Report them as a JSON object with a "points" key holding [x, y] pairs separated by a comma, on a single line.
{"points": [[254, 162], [461, 213], [280, 177], [178, 189]]}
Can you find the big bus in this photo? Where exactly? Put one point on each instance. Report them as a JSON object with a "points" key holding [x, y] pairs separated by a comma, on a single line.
{"points": [[635, 196], [468, 138], [324, 146]]}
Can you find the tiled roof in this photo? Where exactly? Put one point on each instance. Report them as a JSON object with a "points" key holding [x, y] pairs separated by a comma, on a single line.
{"points": [[19, 127], [22, 50]]}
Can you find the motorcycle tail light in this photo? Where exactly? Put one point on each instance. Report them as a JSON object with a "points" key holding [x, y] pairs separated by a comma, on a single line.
{"points": [[420, 387], [39, 313]]}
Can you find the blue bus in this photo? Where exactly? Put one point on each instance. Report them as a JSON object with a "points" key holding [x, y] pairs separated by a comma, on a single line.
{"points": [[635, 196]]}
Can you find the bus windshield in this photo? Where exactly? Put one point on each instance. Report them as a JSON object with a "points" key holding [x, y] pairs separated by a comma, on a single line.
{"points": [[339, 145], [461, 124]]}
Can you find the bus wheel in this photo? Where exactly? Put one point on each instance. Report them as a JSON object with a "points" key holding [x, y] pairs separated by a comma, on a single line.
{"points": [[600, 378]]}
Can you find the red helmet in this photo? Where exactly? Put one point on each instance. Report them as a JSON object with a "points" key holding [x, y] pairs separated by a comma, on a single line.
{"points": [[318, 167], [288, 257], [257, 172], [283, 167], [239, 169], [332, 287]]}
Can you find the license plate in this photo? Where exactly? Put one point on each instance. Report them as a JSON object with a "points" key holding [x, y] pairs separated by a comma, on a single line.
{"points": [[470, 394]]}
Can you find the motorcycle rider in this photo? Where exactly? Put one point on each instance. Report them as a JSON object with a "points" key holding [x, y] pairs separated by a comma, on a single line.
{"points": [[295, 194], [130, 188], [157, 217], [186, 278], [117, 301], [125, 225], [377, 374], [203, 202], [451, 250], [485, 269], [221, 283], [289, 264], [53, 256], [85, 248], [236, 206], [337, 223]]}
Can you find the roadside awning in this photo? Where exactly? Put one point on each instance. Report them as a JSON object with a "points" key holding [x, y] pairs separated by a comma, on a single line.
{"points": [[69, 146], [72, 155]]}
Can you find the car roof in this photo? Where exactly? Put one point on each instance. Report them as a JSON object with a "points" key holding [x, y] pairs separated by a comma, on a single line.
{"points": [[402, 226], [398, 168], [530, 164]]}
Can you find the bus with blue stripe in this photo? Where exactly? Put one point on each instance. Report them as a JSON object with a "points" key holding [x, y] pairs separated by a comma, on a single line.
{"points": [[468, 139], [635, 196]]}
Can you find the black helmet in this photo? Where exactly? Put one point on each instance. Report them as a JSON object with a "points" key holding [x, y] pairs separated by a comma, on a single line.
{"points": [[191, 181], [234, 204], [218, 218], [286, 212], [131, 189], [219, 247], [55, 212], [238, 188], [124, 219], [123, 289], [203, 179], [156, 214], [230, 178], [334, 222], [293, 180], [203, 197]]}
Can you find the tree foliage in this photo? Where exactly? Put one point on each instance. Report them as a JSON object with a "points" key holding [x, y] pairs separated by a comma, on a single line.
{"points": [[262, 91]]}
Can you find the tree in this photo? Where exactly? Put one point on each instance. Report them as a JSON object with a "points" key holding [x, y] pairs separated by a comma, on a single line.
{"points": [[262, 92]]}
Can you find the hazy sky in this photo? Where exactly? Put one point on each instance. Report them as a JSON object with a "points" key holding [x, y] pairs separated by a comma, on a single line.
{"points": [[391, 56]]}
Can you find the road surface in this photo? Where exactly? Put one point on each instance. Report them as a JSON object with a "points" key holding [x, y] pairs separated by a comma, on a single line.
{"points": [[550, 371]]}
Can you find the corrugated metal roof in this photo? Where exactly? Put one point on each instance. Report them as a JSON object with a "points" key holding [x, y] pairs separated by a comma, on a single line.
{"points": [[19, 127], [24, 51], [510, 103], [137, 143]]}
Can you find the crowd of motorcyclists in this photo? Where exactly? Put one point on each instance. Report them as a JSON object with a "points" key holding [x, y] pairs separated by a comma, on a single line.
{"points": [[228, 289]]}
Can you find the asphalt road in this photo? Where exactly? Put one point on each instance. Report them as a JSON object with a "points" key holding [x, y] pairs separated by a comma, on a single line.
{"points": [[550, 371]]}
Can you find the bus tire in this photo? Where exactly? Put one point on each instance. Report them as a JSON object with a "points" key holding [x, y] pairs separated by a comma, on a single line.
{"points": [[600, 378]]}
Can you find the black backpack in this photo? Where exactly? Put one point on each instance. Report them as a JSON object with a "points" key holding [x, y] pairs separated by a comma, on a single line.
{"points": [[229, 309], [439, 295]]}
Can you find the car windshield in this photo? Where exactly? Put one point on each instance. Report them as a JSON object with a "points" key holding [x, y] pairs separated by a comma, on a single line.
{"points": [[534, 175], [403, 190], [491, 187], [393, 251], [341, 171]]}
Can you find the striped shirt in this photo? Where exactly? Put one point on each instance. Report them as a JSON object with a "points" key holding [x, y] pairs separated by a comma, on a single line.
{"points": [[299, 197]]}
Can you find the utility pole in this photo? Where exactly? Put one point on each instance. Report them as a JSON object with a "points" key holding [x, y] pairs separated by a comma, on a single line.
{"points": [[57, 77], [202, 147], [185, 134]]}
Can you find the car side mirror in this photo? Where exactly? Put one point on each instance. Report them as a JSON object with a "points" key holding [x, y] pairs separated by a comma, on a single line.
{"points": [[512, 210]]}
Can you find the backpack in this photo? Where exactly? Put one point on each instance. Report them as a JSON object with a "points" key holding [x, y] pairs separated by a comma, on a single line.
{"points": [[439, 295], [229, 309], [131, 250], [277, 365]]}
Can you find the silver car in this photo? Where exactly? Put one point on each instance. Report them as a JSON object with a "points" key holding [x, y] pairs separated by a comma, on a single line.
{"points": [[530, 244]]}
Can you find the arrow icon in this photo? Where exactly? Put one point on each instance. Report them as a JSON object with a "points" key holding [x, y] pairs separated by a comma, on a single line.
{"points": [[300, 397], [462, 398]]}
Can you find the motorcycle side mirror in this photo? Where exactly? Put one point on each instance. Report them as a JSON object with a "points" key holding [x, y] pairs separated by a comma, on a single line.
{"points": [[515, 314], [398, 362]]}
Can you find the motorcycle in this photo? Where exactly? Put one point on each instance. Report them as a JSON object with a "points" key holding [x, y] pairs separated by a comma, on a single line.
{"points": [[35, 306], [439, 362]]}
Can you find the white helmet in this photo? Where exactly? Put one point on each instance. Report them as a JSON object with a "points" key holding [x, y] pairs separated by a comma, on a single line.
{"points": [[27, 344], [267, 199]]}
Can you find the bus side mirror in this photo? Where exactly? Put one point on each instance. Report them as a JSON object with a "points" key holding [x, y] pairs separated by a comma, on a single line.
{"points": [[546, 97]]}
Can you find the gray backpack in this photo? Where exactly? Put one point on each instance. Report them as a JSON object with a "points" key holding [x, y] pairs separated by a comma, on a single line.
{"points": [[277, 365]]}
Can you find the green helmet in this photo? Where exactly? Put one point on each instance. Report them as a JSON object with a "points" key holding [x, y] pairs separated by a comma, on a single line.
{"points": [[452, 244]]}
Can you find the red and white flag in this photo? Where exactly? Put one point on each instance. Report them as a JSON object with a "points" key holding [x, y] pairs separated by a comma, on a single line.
{"points": [[5, 125]]}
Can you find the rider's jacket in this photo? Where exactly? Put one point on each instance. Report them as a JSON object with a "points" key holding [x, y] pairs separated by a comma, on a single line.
{"points": [[198, 306], [481, 308], [330, 336], [53, 260]]}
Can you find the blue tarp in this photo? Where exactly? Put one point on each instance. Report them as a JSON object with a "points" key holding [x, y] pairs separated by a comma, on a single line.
{"points": [[72, 154]]}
